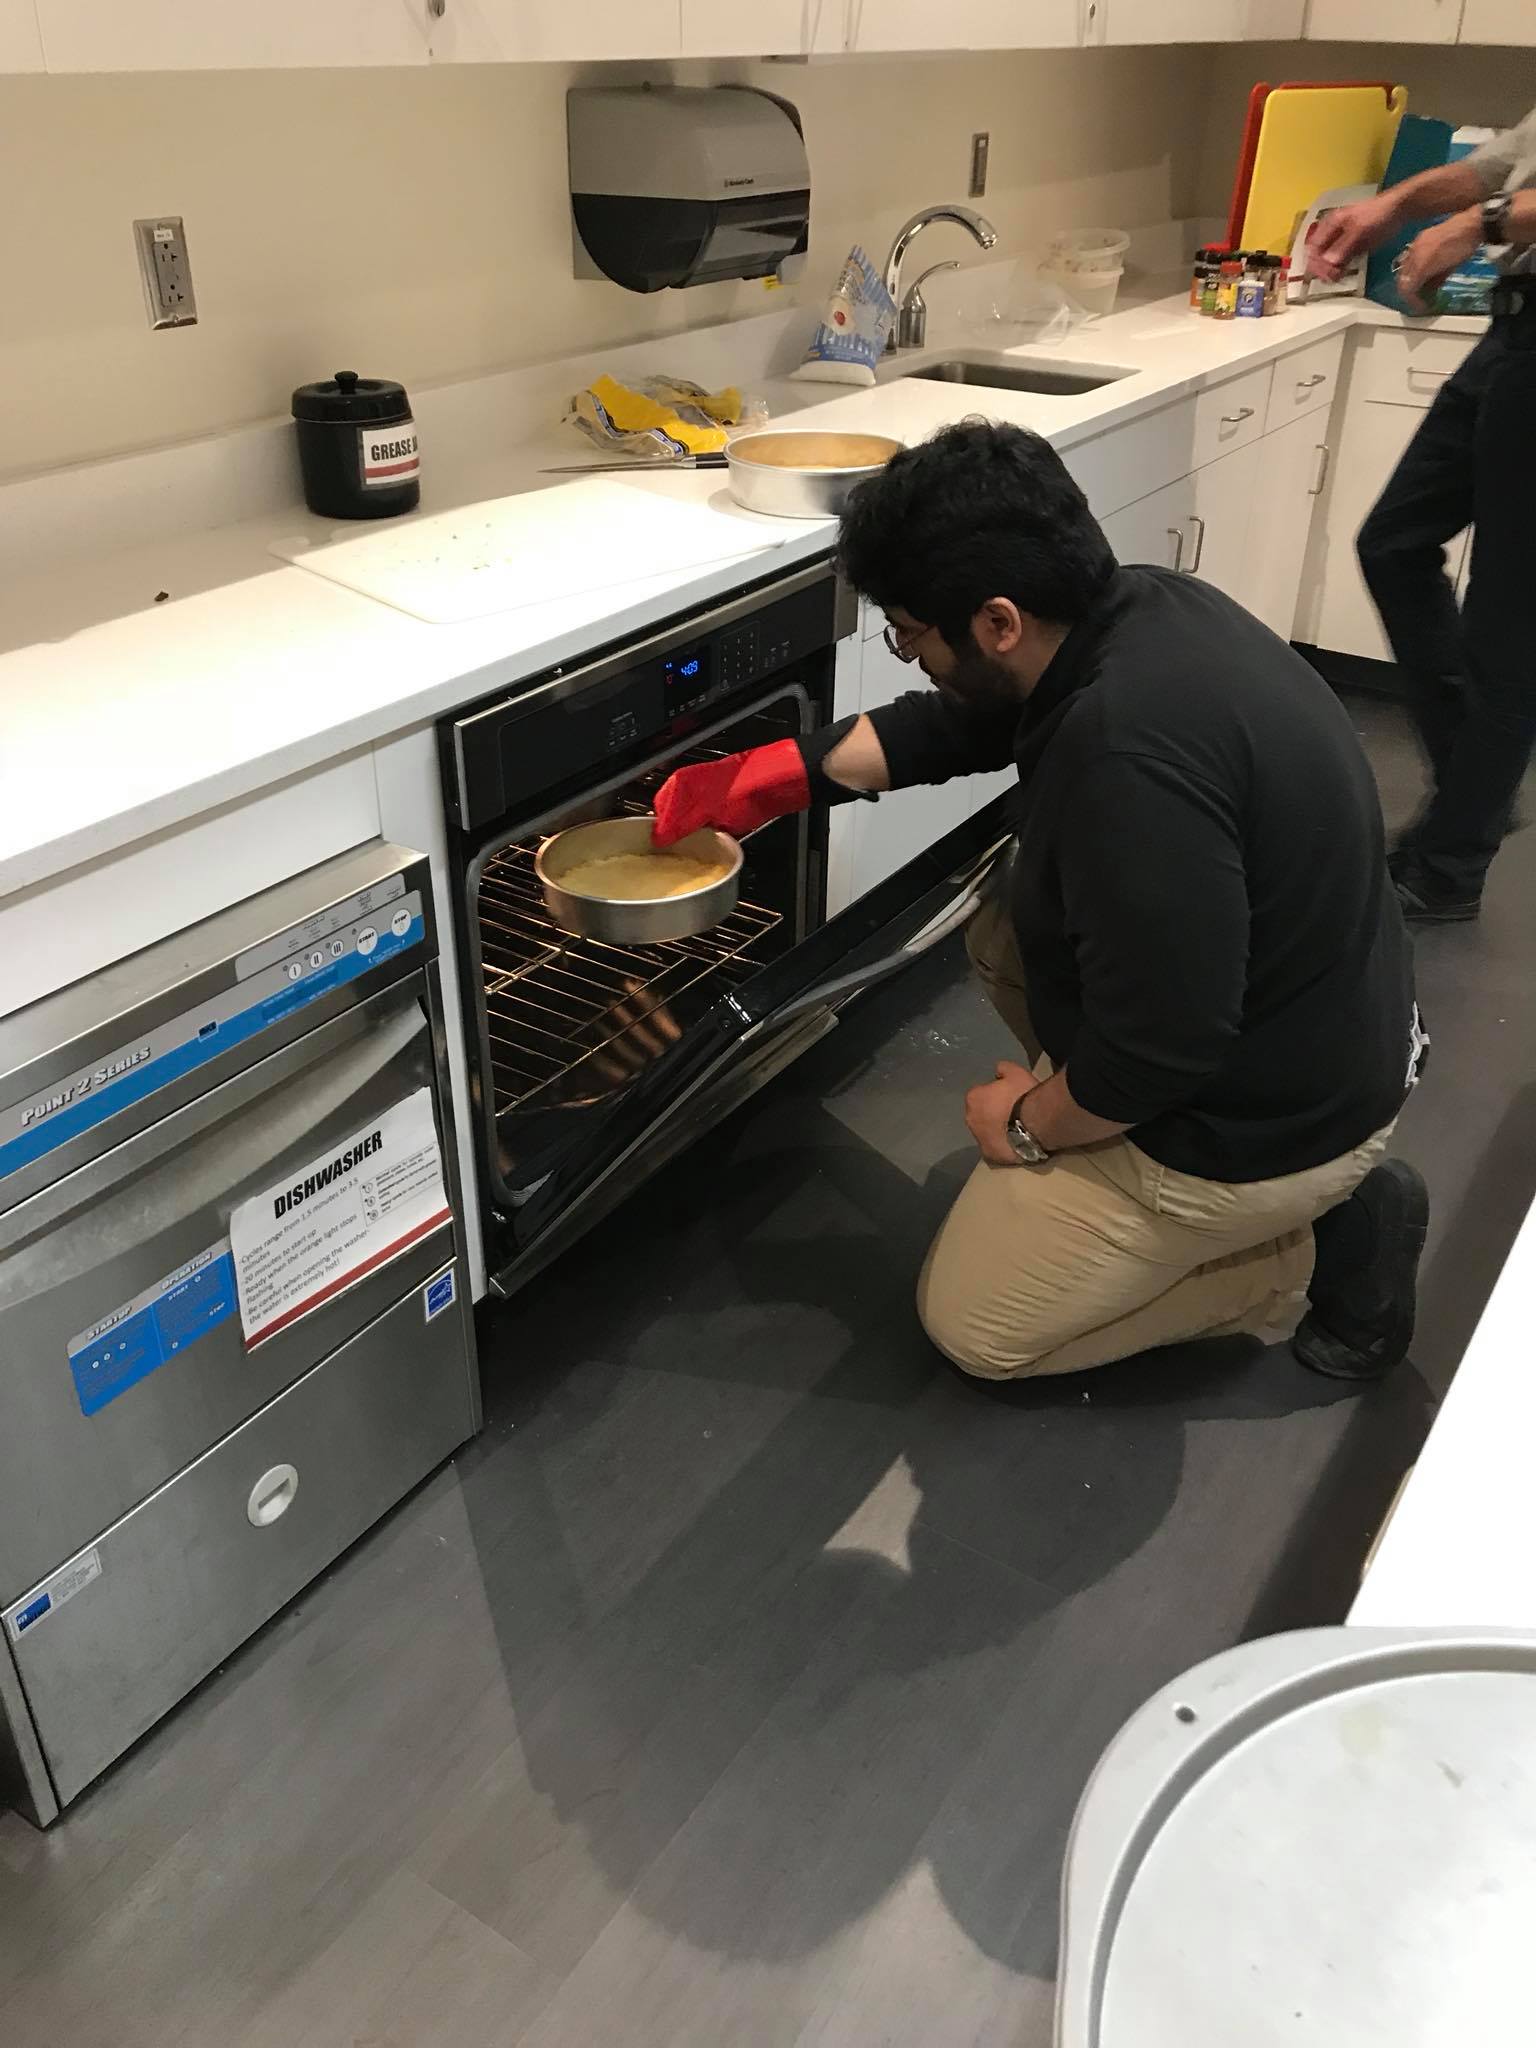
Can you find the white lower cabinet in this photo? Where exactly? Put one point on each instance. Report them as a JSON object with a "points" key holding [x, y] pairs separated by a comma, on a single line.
{"points": [[1336, 610], [1295, 465], [1155, 530], [1220, 521], [1240, 523]]}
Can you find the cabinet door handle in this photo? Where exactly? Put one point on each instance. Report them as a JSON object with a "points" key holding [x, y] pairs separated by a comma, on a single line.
{"points": [[1235, 419], [1176, 535], [1321, 477], [1311, 383], [1199, 525]]}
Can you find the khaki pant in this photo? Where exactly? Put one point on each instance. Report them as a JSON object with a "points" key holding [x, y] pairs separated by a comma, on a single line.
{"points": [[1101, 1252]]}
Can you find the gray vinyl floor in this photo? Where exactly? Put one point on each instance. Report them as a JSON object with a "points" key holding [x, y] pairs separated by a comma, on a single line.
{"points": [[737, 1686]]}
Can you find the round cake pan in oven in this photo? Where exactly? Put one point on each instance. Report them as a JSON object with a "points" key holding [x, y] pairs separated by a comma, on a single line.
{"points": [[803, 473], [635, 920]]}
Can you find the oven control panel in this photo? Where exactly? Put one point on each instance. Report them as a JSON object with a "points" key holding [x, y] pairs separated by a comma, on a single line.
{"points": [[516, 750], [721, 664]]}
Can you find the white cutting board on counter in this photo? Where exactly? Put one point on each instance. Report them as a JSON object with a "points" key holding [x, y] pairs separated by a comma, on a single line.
{"points": [[503, 553]]}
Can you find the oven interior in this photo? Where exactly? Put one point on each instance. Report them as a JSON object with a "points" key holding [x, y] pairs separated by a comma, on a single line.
{"points": [[570, 1024]]}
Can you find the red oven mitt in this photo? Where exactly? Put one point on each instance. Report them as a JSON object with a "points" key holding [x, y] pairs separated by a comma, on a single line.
{"points": [[735, 795]]}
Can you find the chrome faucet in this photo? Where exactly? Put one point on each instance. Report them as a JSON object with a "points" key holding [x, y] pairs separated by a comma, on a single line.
{"points": [[912, 315]]}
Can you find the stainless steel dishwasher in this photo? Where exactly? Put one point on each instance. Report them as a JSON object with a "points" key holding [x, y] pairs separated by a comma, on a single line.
{"points": [[233, 1324]]}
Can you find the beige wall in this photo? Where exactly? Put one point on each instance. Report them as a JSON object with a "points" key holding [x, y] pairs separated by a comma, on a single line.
{"points": [[1485, 87], [415, 223]]}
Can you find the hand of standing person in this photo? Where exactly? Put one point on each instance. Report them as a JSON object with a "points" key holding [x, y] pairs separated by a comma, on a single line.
{"points": [[1430, 257], [989, 1106], [1348, 232]]}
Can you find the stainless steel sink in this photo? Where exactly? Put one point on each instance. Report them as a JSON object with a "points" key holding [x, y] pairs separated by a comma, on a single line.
{"points": [[1008, 373]]}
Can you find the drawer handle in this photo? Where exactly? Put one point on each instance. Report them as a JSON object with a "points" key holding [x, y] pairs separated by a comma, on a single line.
{"points": [[1199, 525], [271, 1496], [1235, 419], [1311, 383]]}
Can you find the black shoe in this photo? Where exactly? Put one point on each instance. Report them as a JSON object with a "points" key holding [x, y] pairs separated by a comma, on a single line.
{"points": [[1364, 1282], [1424, 904]]}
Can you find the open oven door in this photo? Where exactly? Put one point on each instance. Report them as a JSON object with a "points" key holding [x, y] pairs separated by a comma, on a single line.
{"points": [[755, 1032]]}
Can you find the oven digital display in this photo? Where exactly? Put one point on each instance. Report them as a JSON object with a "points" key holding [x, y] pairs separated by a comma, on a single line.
{"points": [[688, 674]]}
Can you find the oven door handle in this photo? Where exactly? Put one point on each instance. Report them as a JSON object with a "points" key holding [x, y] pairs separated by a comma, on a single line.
{"points": [[840, 986]]}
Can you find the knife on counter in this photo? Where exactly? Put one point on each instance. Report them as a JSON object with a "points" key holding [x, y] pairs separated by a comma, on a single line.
{"points": [[634, 467]]}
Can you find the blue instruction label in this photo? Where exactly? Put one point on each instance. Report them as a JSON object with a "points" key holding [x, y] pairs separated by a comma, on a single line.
{"points": [[153, 1328], [53, 1594]]}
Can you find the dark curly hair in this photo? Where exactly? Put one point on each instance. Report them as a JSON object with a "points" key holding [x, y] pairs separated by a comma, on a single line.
{"points": [[981, 510]]}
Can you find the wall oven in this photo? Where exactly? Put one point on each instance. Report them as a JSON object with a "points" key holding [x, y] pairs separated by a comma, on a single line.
{"points": [[590, 1064]]}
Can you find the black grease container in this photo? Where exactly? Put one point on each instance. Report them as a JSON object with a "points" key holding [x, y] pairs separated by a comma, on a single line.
{"points": [[357, 447]]}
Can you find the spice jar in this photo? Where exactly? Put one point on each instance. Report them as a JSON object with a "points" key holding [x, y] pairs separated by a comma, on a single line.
{"points": [[1215, 253], [357, 447], [1226, 288], [1207, 261]]}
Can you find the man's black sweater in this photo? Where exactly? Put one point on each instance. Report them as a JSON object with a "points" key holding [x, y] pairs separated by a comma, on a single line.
{"points": [[1211, 943]]}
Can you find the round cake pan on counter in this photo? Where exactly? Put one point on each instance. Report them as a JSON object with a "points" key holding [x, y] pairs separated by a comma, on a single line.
{"points": [[803, 472], [635, 920]]}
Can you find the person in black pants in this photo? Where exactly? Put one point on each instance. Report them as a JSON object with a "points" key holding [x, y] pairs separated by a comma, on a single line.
{"points": [[1472, 672]]}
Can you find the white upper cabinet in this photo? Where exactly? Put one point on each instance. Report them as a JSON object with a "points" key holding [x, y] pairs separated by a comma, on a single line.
{"points": [[1499, 21], [1386, 21], [963, 24], [21, 46], [1192, 21], [764, 28], [214, 35], [534, 31]]}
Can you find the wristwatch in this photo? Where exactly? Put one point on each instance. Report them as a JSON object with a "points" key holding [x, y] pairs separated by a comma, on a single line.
{"points": [[1027, 1148], [1495, 212]]}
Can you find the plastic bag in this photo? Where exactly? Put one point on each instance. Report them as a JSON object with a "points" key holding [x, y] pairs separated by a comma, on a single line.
{"points": [[1026, 305], [662, 416], [851, 338]]}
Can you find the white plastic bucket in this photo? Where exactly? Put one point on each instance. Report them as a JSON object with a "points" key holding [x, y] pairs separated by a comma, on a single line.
{"points": [[1091, 249]]}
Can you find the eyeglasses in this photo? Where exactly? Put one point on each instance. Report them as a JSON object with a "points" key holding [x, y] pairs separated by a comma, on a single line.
{"points": [[904, 645]]}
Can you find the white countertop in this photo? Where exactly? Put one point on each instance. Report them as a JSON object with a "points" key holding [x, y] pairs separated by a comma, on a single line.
{"points": [[122, 715], [1457, 1552]]}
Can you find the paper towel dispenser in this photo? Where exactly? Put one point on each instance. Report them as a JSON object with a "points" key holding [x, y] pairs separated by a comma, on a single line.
{"points": [[684, 184]]}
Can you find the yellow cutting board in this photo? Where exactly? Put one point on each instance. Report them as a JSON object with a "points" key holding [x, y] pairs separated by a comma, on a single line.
{"points": [[1312, 140]]}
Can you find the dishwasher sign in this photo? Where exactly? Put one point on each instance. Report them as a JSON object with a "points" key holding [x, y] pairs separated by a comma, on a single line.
{"points": [[338, 1218]]}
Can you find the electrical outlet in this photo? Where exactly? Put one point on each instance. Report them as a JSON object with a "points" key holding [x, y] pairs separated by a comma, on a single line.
{"points": [[167, 275], [981, 144]]}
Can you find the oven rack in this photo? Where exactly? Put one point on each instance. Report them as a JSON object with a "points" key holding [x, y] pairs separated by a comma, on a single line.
{"points": [[581, 1013]]}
